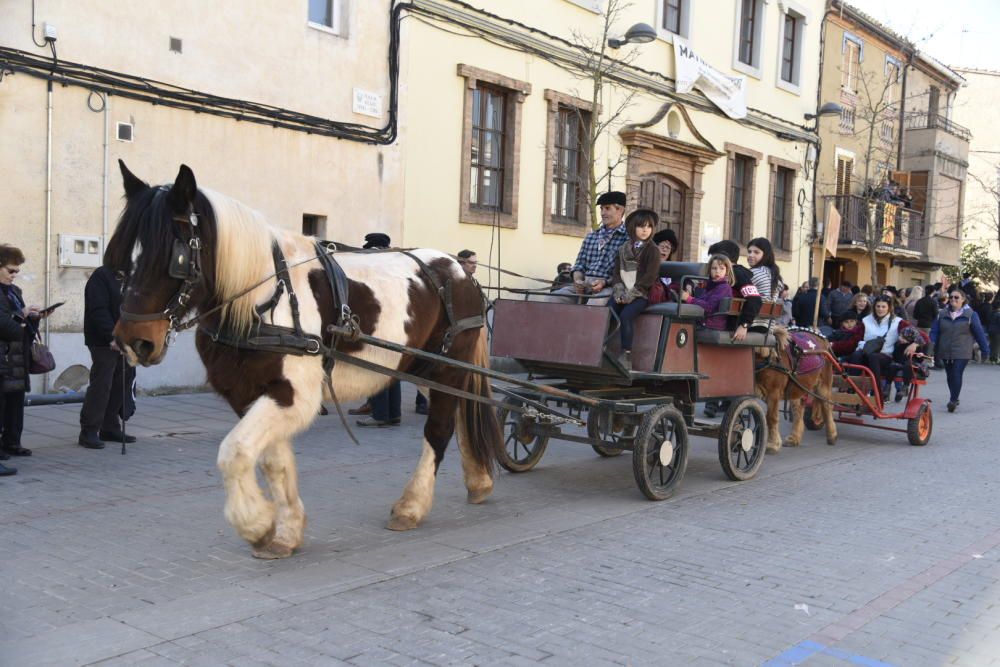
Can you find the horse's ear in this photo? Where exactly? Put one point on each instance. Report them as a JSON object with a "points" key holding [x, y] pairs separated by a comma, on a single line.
{"points": [[181, 196], [133, 184]]}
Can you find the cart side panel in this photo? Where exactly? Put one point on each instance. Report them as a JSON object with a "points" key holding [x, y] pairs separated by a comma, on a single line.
{"points": [[645, 343], [561, 333], [678, 348], [729, 369]]}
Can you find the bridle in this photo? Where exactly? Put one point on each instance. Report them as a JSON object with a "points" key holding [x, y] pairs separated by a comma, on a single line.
{"points": [[185, 265]]}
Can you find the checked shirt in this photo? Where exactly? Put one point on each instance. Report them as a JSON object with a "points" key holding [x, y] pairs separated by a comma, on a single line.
{"points": [[597, 254]]}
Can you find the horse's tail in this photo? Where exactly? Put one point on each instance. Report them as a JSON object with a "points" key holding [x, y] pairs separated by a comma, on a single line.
{"points": [[479, 420]]}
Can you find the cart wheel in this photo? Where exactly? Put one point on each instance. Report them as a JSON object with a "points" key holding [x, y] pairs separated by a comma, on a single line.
{"points": [[606, 433], [521, 450], [813, 419], [660, 455], [918, 429], [742, 438]]}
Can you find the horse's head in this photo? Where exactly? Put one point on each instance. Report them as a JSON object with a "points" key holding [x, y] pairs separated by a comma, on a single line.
{"points": [[157, 246]]}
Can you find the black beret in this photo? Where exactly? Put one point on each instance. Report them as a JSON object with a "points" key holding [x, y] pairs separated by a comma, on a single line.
{"points": [[730, 249], [665, 235], [376, 240], [613, 197]]}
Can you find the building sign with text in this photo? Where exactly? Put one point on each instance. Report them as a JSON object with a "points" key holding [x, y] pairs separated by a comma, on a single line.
{"points": [[729, 93]]}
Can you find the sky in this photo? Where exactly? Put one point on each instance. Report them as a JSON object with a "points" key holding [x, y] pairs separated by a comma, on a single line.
{"points": [[961, 33]]}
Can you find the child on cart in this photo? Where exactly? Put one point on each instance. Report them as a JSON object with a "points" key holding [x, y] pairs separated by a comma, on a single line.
{"points": [[844, 340], [912, 341], [720, 286], [637, 267]]}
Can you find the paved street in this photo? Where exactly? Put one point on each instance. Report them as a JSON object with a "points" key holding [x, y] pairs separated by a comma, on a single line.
{"points": [[871, 552]]}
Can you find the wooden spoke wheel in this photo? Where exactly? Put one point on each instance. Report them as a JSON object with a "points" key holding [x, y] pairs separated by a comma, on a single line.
{"points": [[919, 428], [742, 439], [660, 452], [521, 448], [610, 433], [812, 417]]}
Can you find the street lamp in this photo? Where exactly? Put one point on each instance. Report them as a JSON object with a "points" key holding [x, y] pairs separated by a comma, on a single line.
{"points": [[828, 109], [640, 33]]}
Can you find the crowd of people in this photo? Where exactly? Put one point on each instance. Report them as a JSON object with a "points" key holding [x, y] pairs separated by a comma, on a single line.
{"points": [[955, 325], [888, 331]]}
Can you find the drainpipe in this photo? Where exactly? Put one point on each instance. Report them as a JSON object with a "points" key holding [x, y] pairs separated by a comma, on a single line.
{"points": [[48, 221], [902, 110], [104, 196]]}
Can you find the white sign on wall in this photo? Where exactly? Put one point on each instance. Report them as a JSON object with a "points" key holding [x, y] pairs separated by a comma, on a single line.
{"points": [[729, 93], [367, 104]]}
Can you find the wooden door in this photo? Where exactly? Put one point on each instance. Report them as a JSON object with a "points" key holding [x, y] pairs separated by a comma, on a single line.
{"points": [[666, 196]]}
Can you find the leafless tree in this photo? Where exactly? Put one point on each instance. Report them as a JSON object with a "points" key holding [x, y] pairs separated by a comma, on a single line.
{"points": [[599, 72]]}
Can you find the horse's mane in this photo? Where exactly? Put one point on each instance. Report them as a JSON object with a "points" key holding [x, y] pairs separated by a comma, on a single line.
{"points": [[243, 246], [140, 222], [781, 336]]}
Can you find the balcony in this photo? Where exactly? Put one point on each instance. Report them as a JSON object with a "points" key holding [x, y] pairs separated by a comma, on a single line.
{"points": [[899, 230], [932, 121], [928, 137]]}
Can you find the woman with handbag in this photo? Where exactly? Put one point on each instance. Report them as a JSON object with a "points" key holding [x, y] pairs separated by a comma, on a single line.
{"points": [[18, 328], [952, 334], [876, 347]]}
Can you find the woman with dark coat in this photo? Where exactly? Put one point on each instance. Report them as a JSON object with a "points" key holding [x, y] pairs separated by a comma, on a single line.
{"points": [[18, 325], [953, 332]]}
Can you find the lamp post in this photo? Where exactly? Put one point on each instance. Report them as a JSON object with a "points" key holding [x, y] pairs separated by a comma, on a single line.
{"points": [[827, 109], [640, 33]]}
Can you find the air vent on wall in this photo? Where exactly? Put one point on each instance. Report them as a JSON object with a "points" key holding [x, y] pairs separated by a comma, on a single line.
{"points": [[125, 132], [176, 44]]}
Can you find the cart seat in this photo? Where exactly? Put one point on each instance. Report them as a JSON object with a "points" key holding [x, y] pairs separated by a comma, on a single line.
{"points": [[678, 270], [679, 310], [717, 337]]}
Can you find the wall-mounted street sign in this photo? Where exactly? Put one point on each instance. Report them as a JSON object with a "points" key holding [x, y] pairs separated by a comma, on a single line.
{"points": [[367, 103]]}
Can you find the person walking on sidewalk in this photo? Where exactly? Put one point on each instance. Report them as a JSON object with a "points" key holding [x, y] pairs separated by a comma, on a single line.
{"points": [[953, 333], [110, 376], [18, 328]]}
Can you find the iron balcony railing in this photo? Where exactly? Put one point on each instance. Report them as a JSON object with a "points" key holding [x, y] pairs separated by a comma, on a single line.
{"points": [[934, 121], [892, 226]]}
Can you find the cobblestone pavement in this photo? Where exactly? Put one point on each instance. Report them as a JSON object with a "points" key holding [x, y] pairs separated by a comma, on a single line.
{"points": [[871, 552]]}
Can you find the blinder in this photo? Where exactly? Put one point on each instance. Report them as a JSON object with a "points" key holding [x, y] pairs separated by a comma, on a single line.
{"points": [[181, 267]]}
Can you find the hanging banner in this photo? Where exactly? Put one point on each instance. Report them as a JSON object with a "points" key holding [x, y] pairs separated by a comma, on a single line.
{"points": [[729, 93], [831, 235]]}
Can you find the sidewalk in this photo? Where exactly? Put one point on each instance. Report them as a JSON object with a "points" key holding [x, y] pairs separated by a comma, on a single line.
{"points": [[869, 552]]}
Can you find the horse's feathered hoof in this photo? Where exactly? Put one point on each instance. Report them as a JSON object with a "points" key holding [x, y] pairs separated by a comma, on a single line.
{"points": [[397, 522], [831, 442], [273, 551], [477, 497], [791, 443], [772, 450]]}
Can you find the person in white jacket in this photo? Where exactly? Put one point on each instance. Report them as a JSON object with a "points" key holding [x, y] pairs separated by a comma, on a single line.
{"points": [[880, 325]]}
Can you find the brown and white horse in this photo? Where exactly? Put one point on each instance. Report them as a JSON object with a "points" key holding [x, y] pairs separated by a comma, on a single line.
{"points": [[278, 395], [792, 368]]}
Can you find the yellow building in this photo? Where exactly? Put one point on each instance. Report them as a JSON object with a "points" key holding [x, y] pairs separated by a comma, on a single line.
{"points": [[894, 164], [252, 99], [498, 97]]}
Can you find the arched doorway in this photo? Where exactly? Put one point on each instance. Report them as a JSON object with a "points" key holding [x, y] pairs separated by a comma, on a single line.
{"points": [[665, 195]]}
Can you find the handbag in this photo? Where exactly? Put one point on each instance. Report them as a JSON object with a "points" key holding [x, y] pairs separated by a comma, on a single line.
{"points": [[874, 345], [42, 360]]}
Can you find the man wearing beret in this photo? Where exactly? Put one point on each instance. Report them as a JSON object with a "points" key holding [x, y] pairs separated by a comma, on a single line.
{"points": [[596, 260]]}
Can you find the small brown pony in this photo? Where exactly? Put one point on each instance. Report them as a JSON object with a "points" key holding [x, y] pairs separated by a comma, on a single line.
{"points": [[792, 369]]}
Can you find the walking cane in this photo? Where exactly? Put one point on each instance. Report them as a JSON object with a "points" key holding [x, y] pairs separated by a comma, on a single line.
{"points": [[124, 408]]}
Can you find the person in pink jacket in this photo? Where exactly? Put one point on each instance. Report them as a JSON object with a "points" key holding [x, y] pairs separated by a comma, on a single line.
{"points": [[720, 286]]}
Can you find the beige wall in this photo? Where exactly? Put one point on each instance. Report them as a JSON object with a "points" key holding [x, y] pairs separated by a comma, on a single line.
{"points": [[431, 127], [264, 53], [973, 109]]}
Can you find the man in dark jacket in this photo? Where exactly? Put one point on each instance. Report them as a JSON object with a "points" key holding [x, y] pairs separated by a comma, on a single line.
{"points": [[806, 306], [925, 310], [110, 377]]}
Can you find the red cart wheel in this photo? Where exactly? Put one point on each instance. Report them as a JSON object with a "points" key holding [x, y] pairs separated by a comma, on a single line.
{"points": [[919, 428]]}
